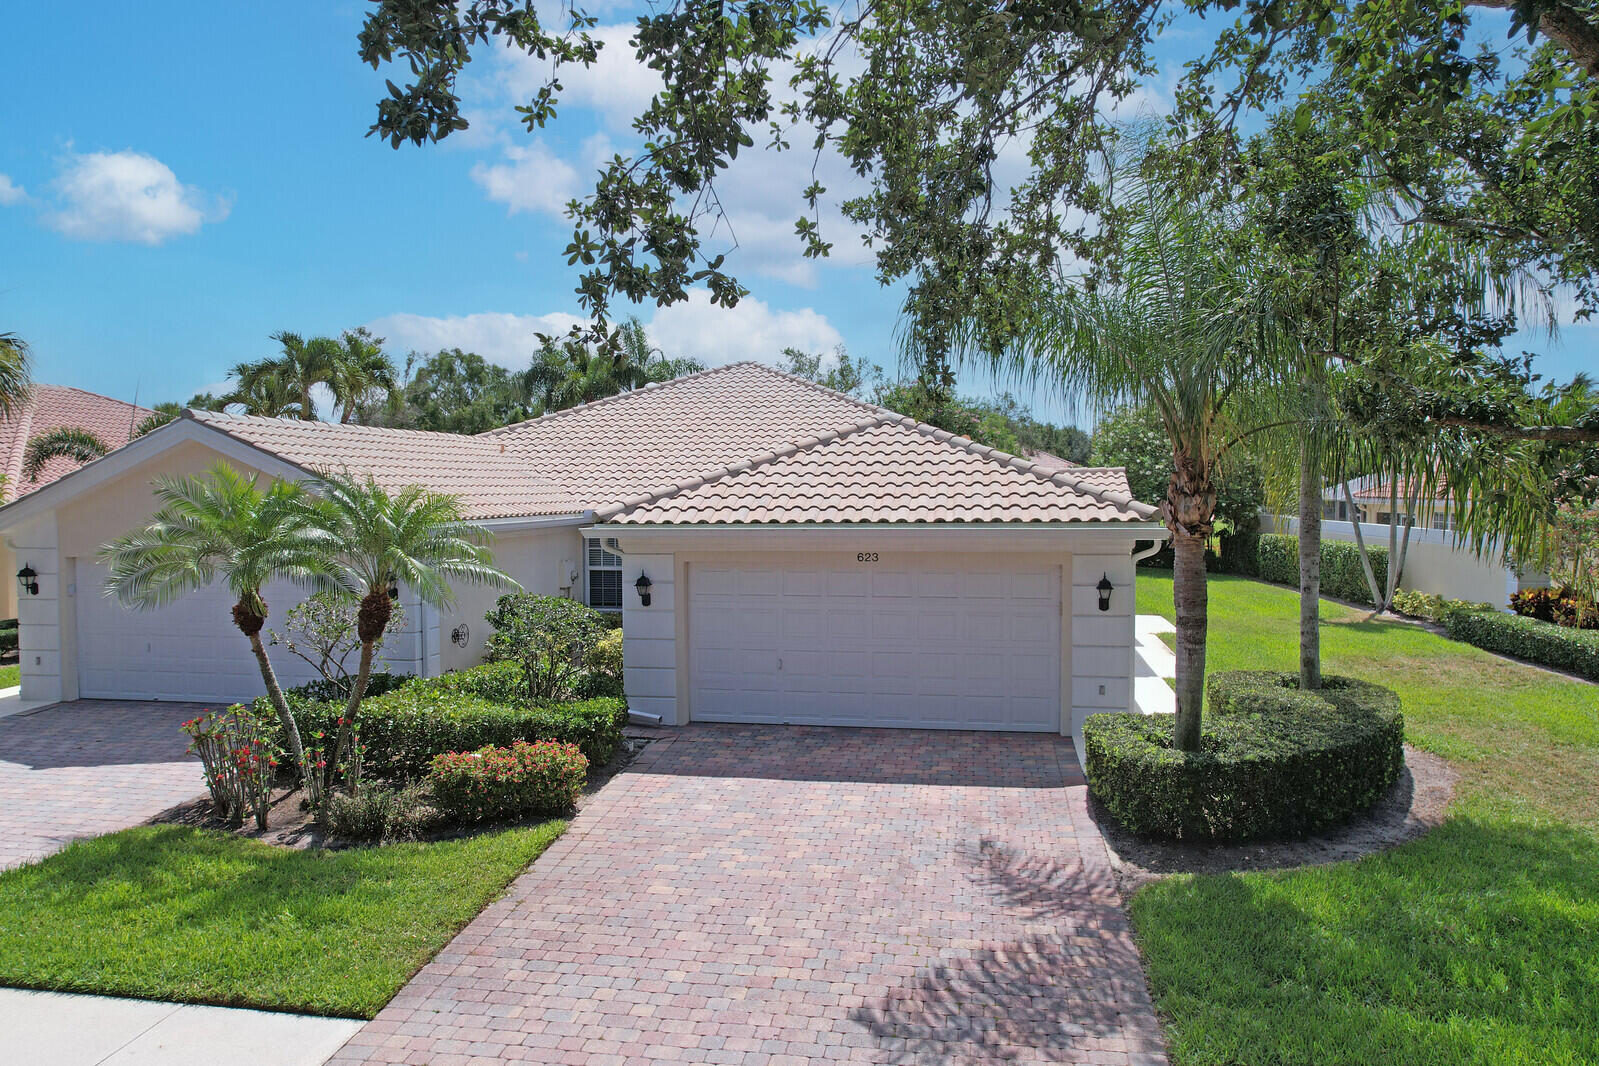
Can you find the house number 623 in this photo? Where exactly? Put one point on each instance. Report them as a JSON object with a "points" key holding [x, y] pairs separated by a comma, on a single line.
{"points": [[866, 557]]}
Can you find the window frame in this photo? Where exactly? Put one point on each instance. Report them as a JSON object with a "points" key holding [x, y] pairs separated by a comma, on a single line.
{"points": [[591, 545]]}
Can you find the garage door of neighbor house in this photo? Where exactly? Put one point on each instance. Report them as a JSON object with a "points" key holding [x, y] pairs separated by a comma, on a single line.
{"points": [[947, 645], [189, 650]]}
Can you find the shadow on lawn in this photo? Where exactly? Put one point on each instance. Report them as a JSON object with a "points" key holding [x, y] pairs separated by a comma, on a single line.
{"points": [[1474, 944]]}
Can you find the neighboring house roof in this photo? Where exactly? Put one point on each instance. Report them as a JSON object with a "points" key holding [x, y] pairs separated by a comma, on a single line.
{"points": [[624, 446], [1049, 460], [1381, 492], [889, 470], [51, 407], [490, 482]]}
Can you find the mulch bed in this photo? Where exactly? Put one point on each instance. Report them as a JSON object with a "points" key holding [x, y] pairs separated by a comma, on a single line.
{"points": [[289, 824], [1415, 805]]}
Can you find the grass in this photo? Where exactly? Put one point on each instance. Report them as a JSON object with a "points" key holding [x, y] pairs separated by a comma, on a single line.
{"points": [[1475, 944], [172, 913], [10, 676]]}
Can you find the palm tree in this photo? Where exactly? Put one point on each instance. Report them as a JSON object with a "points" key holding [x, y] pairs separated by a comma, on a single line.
{"points": [[371, 542], [572, 373], [72, 442], [260, 390], [360, 372], [303, 365], [16, 379], [221, 524], [1182, 328]]}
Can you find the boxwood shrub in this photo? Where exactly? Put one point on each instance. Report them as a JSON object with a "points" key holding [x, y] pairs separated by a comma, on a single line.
{"points": [[1576, 650], [1275, 762], [323, 690], [1342, 575]]}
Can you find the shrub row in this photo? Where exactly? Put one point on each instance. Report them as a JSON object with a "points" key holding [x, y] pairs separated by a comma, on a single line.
{"points": [[323, 690], [1342, 575], [1431, 607], [1576, 650], [494, 783], [1275, 762], [403, 730]]}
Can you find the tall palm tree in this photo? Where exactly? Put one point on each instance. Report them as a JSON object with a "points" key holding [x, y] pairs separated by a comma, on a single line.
{"points": [[299, 367], [360, 372], [371, 541], [1183, 329], [220, 524], [16, 378], [71, 442]]}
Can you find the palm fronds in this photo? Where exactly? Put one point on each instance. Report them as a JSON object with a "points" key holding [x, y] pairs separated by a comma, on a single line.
{"points": [[69, 442]]}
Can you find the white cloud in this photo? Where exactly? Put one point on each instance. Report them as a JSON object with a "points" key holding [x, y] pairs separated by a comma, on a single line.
{"points": [[529, 178], [128, 196], [751, 330], [10, 192], [696, 328], [499, 337]]}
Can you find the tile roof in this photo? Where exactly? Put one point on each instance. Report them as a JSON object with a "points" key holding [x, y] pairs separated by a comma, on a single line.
{"points": [[623, 446], [888, 469], [50, 407], [491, 482], [741, 440]]}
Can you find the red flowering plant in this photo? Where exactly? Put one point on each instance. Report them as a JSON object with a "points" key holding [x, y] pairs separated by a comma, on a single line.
{"points": [[239, 760], [332, 758], [493, 784]]}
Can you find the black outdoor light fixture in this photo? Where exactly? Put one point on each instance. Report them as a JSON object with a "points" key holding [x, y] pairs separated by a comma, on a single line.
{"points": [[28, 579], [1105, 589], [643, 584]]}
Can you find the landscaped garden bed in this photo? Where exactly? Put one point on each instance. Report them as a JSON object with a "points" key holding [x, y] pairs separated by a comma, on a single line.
{"points": [[1472, 944]]}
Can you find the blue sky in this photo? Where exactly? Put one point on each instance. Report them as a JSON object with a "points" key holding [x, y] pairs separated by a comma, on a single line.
{"points": [[180, 180]]}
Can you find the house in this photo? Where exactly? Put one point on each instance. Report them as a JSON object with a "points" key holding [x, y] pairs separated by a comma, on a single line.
{"points": [[1373, 500], [778, 552], [47, 408]]}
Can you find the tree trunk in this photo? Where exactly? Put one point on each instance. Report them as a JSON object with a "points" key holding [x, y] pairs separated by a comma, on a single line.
{"points": [[1360, 548], [370, 622], [291, 731], [1309, 567], [1189, 594]]}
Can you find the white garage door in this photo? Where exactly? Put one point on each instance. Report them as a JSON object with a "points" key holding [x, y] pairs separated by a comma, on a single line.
{"points": [[190, 650], [953, 645]]}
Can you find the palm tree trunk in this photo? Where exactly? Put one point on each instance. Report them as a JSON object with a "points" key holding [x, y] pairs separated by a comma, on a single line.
{"points": [[370, 622], [1309, 567], [1360, 548], [291, 731], [1189, 593]]}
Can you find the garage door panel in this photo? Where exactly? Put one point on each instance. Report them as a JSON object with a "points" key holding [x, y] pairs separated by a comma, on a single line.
{"points": [[964, 646]]}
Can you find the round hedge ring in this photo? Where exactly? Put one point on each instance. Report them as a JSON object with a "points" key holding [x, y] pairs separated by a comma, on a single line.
{"points": [[1275, 762]]}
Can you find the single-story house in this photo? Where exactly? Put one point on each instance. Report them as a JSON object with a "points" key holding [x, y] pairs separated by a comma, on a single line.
{"points": [[778, 552], [47, 408]]}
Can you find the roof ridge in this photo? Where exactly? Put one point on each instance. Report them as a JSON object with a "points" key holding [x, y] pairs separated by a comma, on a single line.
{"points": [[716, 473], [222, 417], [654, 386], [817, 386], [1062, 478]]}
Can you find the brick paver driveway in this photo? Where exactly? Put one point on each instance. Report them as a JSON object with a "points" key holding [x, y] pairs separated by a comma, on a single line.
{"points": [[797, 895], [81, 769]]}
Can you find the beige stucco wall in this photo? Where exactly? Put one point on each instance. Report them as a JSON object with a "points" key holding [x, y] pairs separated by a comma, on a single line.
{"points": [[541, 560]]}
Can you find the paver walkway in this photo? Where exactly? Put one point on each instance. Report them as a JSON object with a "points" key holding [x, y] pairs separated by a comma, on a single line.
{"points": [[82, 769], [787, 896]]}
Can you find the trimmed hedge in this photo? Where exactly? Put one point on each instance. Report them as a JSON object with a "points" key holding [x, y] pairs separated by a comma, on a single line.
{"points": [[502, 682], [403, 730], [324, 691], [492, 784], [1342, 575], [1545, 643], [8, 635], [1275, 762]]}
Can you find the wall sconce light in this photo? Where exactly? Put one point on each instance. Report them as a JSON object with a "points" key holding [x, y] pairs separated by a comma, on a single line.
{"points": [[643, 584], [28, 578], [394, 591], [1105, 589]]}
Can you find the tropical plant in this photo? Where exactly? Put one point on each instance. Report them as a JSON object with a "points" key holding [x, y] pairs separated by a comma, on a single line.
{"points": [[238, 759], [549, 637], [360, 373], [222, 525], [573, 372], [322, 631], [66, 442], [371, 542], [16, 377], [259, 390], [1182, 329], [1135, 439]]}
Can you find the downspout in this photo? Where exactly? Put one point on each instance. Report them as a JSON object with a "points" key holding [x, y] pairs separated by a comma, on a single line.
{"points": [[1139, 557]]}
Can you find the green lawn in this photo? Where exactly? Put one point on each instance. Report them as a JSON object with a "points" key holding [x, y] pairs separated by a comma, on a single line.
{"points": [[1477, 944], [173, 913], [10, 676]]}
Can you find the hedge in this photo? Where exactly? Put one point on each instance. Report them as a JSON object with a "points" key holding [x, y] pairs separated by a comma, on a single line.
{"points": [[1275, 762], [403, 730], [322, 690], [1545, 643], [1342, 575]]}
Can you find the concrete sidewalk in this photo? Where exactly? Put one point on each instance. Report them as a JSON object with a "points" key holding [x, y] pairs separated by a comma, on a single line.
{"points": [[1153, 663], [59, 1029]]}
